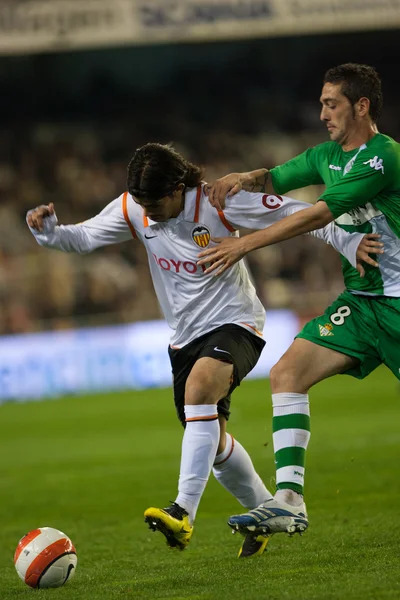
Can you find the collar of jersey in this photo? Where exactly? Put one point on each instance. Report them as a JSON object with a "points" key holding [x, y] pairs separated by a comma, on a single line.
{"points": [[180, 217], [151, 223]]}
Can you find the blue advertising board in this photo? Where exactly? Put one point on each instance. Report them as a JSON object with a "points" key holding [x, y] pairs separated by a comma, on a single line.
{"points": [[132, 356]]}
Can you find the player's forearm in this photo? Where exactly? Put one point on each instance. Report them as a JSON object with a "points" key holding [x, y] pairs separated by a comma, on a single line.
{"points": [[69, 238], [343, 242], [257, 181], [296, 224]]}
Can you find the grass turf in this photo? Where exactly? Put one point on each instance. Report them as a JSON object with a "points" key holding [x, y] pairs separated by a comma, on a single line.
{"points": [[90, 466]]}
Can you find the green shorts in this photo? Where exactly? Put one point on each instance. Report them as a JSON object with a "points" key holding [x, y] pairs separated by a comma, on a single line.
{"points": [[365, 327]]}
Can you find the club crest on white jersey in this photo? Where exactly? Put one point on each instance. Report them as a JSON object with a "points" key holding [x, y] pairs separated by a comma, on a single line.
{"points": [[201, 236]]}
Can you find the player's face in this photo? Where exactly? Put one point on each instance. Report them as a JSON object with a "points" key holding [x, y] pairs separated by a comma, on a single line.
{"points": [[163, 209], [337, 113]]}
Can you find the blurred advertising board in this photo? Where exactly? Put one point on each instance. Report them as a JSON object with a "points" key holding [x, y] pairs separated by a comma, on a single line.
{"points": [[121, 357], [52, 25]]}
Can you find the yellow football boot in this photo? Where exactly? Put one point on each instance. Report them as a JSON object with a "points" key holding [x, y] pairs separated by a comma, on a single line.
{"points": [[253, 545], [173, 522]]}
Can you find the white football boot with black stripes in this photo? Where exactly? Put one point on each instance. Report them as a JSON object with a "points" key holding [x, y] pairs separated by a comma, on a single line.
{"points": [[271, 517]]}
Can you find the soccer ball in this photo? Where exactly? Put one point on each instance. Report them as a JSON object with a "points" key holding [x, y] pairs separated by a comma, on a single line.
{"points": [[45, 558]]}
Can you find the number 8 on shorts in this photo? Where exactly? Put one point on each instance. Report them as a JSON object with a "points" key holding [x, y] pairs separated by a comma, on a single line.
{"points": [[339, 316]]}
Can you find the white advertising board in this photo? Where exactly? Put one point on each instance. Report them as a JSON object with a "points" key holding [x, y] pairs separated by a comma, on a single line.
{"points": [[53, 25]]}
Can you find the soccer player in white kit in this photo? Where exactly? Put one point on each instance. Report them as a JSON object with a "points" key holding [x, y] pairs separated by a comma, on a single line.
{"points": [[216, 323]]}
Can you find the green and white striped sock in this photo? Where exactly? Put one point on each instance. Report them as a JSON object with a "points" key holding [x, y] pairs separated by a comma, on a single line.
{"points": [[291, 434]]}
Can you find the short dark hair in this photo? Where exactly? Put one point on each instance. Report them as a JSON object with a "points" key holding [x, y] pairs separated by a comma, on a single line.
{"points": [[358, 81], [156, 170]]}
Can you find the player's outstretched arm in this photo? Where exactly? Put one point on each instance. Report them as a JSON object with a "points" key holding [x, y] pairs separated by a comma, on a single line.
{"points": [[235, 249], [302, 221], [231, 250], [251, 181], [108, 227]]}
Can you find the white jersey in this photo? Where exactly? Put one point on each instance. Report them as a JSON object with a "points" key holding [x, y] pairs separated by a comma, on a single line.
{"points": [[193, 303]]}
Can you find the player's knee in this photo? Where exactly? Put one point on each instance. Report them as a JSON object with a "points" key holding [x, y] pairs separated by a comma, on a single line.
{"points": [[283, 376], [197, 392]]}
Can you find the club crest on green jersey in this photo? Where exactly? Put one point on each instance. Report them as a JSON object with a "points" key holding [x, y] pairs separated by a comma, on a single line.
{"points": [[325, 330]]}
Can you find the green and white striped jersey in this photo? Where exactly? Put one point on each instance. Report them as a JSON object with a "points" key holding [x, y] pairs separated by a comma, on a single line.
{"points": [[363, 194]]}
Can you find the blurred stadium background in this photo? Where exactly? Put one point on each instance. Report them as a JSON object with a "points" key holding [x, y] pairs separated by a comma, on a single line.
{"points": [[234, 84]]}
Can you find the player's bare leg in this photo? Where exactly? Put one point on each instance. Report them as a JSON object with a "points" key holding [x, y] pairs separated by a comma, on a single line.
{"points": [[302, 366]]}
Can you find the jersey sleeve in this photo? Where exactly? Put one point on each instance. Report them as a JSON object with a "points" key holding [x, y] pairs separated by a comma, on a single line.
{"points": [[258, 211], [108, 227], [298, 172], [367, 177], [343, 242]]}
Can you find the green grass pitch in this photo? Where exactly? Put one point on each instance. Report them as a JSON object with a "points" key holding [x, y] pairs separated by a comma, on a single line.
{"points": [[91, 465]]}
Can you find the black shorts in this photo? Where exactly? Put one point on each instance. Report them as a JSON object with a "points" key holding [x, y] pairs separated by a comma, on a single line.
{"points": [[230, 343]]}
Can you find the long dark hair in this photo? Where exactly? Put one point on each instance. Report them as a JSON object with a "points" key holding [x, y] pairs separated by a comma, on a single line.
{"points": [[358, 81], [156, 170]]}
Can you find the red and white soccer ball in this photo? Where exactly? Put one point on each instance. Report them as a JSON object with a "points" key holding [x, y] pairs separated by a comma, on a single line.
{"points": [[45, 558]]}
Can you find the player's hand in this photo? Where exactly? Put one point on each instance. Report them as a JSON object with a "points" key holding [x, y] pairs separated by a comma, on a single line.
{"points": [[228, 251], [35, 217], [221, 188], [370, 244]]}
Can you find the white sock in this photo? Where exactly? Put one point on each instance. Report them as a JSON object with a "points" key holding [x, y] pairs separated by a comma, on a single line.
{"points": [[289, 497], [234, 470], [199, 447]]}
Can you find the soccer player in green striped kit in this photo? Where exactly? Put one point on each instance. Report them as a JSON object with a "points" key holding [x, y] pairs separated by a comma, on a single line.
{"points": [[360, 168]]}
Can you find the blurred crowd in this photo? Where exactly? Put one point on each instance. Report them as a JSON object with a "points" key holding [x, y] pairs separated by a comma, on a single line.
{"points": [[71, 124], [82, 168]]}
